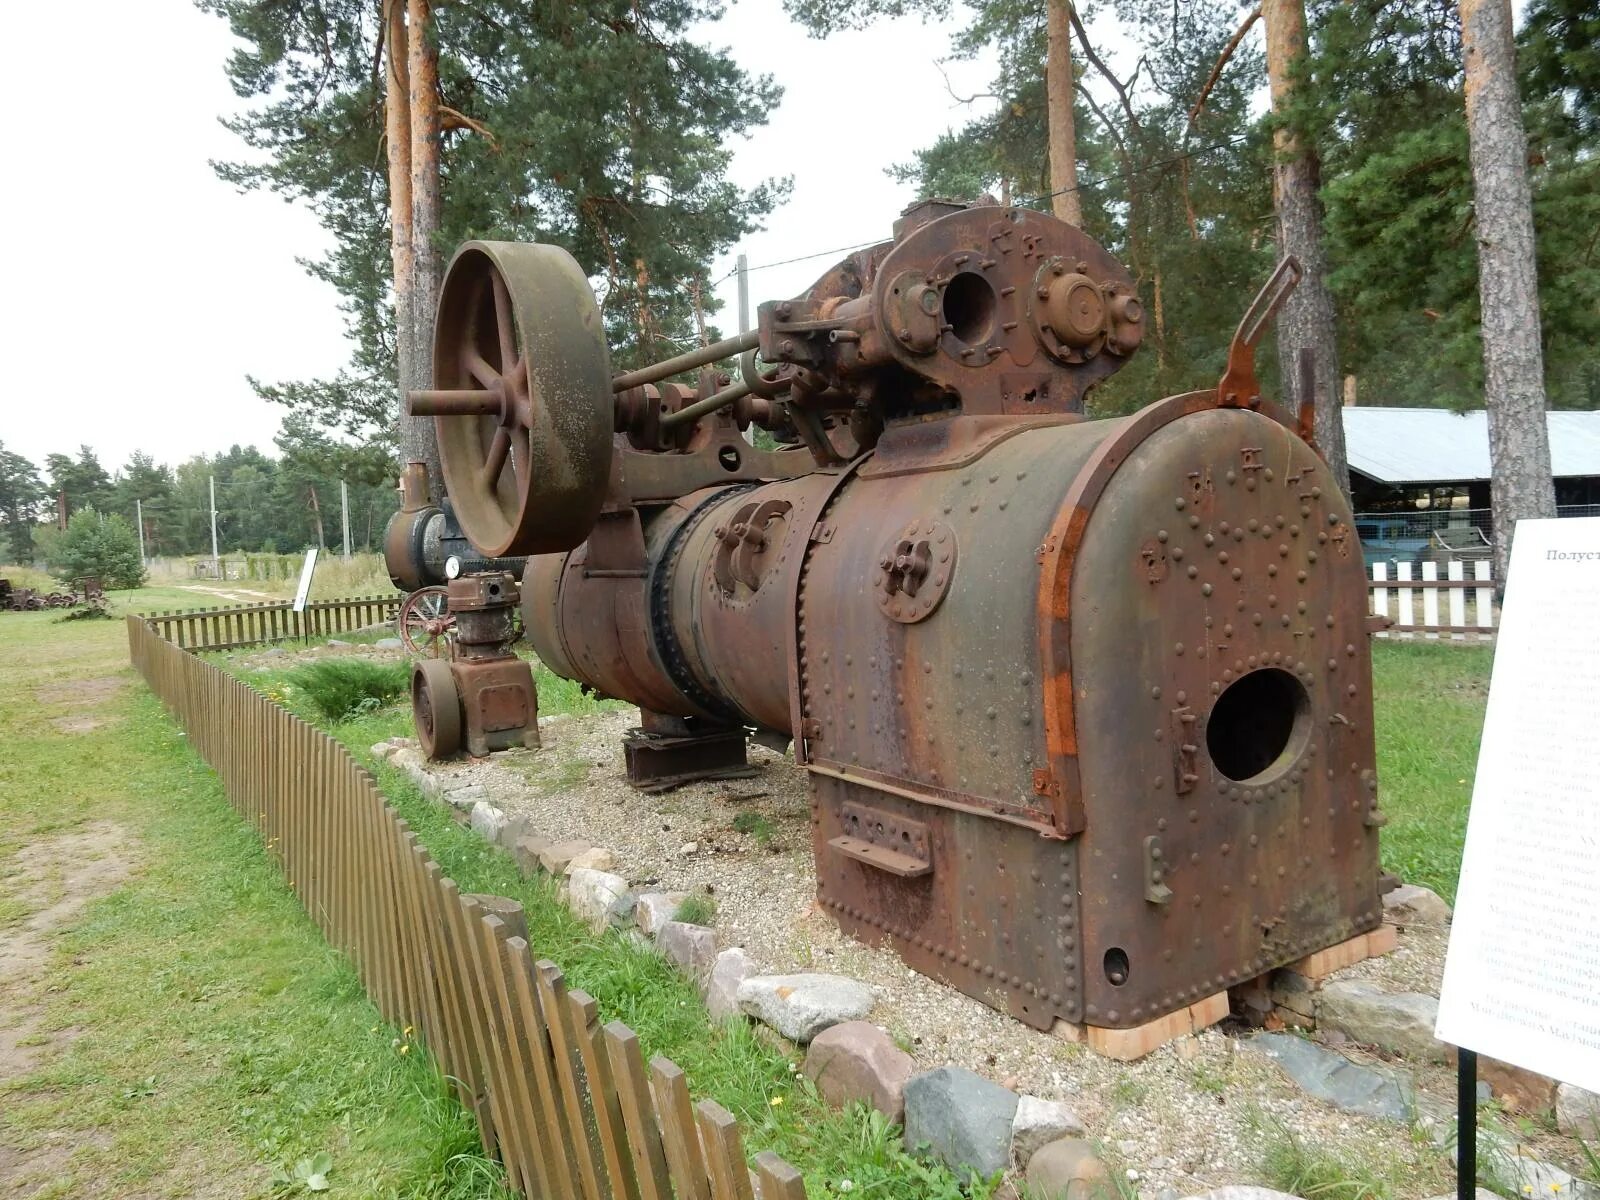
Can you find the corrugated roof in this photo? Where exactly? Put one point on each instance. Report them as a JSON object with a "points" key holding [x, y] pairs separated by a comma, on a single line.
{"points": [[1434, 445]]}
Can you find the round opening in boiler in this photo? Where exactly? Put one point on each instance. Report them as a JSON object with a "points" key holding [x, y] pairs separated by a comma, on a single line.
{"points": [[1116, 966], [969, 307], [1260, 720]]}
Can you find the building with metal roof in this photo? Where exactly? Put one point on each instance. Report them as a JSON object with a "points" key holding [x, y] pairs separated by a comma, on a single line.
{"points": [[1419, 477], [1404, 447]]}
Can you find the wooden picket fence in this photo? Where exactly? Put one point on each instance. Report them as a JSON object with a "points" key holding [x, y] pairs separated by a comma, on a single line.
{"points": [[274, 621], [1456, 591], [566, 1104]]}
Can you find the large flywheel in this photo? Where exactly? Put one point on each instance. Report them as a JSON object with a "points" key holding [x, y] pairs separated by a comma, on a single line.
{"points": [[522, 400]]}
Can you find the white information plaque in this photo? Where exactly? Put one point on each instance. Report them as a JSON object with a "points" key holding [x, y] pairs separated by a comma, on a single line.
{"points": [[303, 592], [1522, 978]]}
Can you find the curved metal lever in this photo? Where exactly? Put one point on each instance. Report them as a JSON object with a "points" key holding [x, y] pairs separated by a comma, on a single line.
{"points": [[1239, 387]]}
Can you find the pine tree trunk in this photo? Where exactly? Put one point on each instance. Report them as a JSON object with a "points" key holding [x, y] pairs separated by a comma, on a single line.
{"points": [[1307, 319], [412, 434], [1063, 135], [423, 95], [1520, 483]]}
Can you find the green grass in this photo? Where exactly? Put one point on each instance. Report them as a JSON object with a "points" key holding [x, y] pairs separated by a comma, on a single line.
{"points": [[777, 1107], [756, 825], [1300, 1169], [341, 688], [1430, 702], [697, 908], [218, 1037]]}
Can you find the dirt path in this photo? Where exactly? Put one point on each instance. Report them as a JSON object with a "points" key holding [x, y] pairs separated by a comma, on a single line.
{"points": [[237, 593], [52, 879]]}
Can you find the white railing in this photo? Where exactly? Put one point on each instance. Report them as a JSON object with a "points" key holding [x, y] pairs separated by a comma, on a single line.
{"points": [[1458, 591]]}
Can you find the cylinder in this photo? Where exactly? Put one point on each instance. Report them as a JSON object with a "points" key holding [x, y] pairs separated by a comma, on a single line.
{"points": [[1085, 706]]}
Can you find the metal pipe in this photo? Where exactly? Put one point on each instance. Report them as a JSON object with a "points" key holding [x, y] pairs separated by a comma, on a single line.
{"points": [[463, 402], [727, 396], [684, 362]]}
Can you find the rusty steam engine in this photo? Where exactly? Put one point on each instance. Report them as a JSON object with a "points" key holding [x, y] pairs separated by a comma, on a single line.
{"points": [[1084, 706]]}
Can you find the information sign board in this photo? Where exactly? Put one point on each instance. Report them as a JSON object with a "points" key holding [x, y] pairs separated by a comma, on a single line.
{"points": [[1522, 976]]}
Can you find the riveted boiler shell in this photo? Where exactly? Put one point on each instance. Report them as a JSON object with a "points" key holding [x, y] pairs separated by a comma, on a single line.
{"points": [[1221, 707], [940, 722]]}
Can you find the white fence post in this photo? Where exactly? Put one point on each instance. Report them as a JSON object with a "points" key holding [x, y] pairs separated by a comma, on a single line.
{"points": [[1380, 596], [1458, 600], [1485, 595], [1403, 609], [1430, 597]]}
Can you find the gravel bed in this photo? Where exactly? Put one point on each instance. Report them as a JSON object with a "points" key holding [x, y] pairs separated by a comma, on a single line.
{"points": [[1189, 1117]]}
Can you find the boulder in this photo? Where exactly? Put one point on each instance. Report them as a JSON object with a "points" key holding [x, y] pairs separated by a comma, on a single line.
{"points": [[690, 948], [337, 644], [802, 1006], [1518, 1088], [592, 894], [1329, 1075], [858, 1061], [730, 968], [488, 822], [1401, 1022], [1578, 1112], [1246, 1192], [1410, 904], [389, 643], [655, 909], [517, 825], [555, 857], [1038, 1123], [383, 751], [962, 1118], [1069, 1169], [596, 858], [526, 850], [465, 797], [1531, 1176]]}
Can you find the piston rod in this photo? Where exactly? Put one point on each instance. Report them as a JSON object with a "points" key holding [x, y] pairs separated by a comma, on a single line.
{"points": [[684, 362]]}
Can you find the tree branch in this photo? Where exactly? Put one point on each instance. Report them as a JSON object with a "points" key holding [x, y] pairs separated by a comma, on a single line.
{"points": [[1222, 61], [450, 118], [1099, 65]]}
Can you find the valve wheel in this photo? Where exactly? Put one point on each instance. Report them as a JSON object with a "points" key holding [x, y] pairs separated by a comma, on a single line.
{"points": [[427, 625], [522, 401], [436, 707]]}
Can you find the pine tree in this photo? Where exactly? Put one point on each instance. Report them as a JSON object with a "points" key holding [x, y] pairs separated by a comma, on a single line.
{"points": [[597, 127], [22, 495], [1520, 484]]}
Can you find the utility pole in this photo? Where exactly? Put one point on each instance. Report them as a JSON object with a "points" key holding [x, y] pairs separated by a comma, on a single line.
{"points": [[743, 268], [216, 559], [138, 511], [344, 515]]}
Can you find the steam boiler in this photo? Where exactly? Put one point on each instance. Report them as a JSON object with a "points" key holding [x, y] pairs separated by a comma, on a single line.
{"points": [[1084, 707]]}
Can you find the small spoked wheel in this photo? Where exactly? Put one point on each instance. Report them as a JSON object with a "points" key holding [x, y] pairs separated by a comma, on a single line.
{"points": [[426, 622], [435, 707], [521, 398]]}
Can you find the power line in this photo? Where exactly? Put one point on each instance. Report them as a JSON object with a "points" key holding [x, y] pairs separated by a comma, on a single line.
{"points": [[1026, 202]]}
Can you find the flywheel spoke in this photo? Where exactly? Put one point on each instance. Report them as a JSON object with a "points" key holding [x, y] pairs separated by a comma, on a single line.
{"points": [[502, 318], [495, 461], [479, 368]]}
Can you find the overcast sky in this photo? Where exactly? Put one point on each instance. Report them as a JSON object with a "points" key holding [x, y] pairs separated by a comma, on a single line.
{"points": [[142, 291]]}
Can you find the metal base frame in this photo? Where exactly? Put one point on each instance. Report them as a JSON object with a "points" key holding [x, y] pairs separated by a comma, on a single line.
{"points": [[660, 762]]}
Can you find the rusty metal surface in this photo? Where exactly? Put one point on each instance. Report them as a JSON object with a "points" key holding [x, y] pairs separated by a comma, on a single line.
{"points": [[521, 398], [1084, 706], [658, 762], [483, 696]]}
